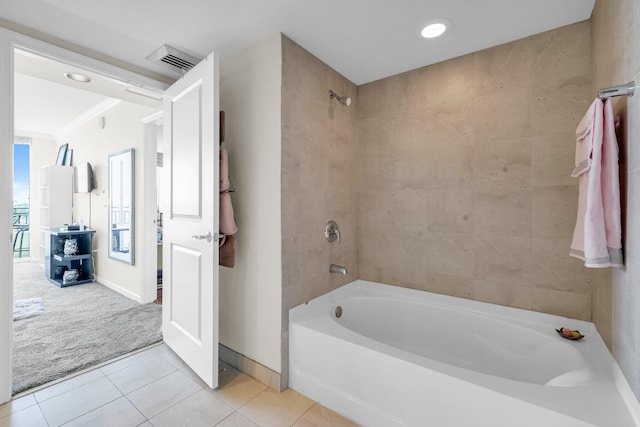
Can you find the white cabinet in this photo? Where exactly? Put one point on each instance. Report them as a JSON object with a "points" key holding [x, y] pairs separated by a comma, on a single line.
{"points": [[56, 198]]}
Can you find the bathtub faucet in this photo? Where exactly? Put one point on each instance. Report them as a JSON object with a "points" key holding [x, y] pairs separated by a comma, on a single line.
{"points": [[338, 269]]}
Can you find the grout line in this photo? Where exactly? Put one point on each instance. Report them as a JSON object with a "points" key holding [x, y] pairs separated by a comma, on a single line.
{"points": [[137, 409], [145, 378], [94, 409], [66, 391], [175, 404], [303, 414], [42, 413], [228, 416]]}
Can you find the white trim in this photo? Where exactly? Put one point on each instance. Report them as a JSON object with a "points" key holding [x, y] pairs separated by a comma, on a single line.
{"points": [[92, 112], [23, 140], [119, 289], [6, 199], [149, 267], [33, 135], [10, 40], [155, 118]]}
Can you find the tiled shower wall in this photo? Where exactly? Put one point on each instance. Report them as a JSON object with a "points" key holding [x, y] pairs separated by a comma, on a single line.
{"points": [[319, 179], [464, 175], [616, 60]]}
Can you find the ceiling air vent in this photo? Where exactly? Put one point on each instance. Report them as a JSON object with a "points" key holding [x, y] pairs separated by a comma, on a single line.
{"points": [[174, 58], [140, 92]]}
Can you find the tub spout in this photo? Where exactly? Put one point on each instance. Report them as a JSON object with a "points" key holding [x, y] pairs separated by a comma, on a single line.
{"points": [[338, 269]]}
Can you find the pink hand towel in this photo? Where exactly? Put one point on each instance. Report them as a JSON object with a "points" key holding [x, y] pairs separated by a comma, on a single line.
{"points": [[227, 220], [611, 187], [596, 237], [224, 170]]}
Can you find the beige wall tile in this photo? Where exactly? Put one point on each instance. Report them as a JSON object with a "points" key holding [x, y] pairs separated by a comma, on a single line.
{"points": [[504, 67], [408, 211], [554, 211], [409, 92], [552, 158], [561, 303], [561, 55], [450, 254], [449, 166], [319, 149], [450, 123], [601, 309], [373, 100], [561, 107], [505, 259], [451, 81], [503, 115], [506, 213], [449, 285], [450, 211], [511, 294], [555, 269], [492, 135], [502, 165]]}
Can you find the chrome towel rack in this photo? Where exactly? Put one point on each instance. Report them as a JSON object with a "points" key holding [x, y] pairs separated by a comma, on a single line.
{"points": [[622, 90]]}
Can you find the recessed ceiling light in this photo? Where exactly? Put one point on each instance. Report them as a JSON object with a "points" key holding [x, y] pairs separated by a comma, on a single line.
{"points": [[78, 77], [435, 28]]}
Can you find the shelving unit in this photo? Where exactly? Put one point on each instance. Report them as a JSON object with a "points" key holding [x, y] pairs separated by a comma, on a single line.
{"points": [[56, 195], [56, 262]]}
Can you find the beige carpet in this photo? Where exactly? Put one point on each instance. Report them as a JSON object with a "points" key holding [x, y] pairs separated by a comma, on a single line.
{"points": [[80, 326]]}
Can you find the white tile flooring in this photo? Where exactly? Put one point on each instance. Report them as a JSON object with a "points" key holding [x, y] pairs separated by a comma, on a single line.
{"points": [[155, 388]]}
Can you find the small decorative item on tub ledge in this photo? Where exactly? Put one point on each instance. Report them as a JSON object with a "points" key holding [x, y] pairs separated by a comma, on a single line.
{"points": [[569, 334]]}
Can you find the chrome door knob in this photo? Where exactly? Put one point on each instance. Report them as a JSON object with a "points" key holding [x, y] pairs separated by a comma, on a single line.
{"points": [[208, 237]]}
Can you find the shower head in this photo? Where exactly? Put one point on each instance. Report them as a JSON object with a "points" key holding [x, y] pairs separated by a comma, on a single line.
{"points": [[344, 100]]}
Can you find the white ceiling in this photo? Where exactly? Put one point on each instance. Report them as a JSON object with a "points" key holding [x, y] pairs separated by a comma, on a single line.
{"points": [[364, 40], [46, 102]]}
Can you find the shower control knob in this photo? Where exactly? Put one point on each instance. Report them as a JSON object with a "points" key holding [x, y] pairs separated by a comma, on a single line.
{"points": [[332, 231]]}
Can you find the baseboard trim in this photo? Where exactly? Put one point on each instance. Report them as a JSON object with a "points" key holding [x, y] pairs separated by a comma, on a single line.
{"points": [[119, 289], [255, 370]]}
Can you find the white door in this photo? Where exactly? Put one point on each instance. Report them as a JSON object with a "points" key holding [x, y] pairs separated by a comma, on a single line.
{"points": [[190, 223]]}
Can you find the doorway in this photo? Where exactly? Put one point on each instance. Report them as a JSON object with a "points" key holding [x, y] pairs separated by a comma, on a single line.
{"points": [[82, 203]]}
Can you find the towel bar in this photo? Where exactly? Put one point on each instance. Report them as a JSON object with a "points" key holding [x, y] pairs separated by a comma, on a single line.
{"points": [[622, 90]]}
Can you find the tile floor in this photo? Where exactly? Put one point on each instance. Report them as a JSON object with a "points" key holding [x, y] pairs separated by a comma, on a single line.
{"points": [[155, 388]]}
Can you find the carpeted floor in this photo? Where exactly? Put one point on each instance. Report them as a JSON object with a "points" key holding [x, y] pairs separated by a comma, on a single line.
{"points": [[80, 326]]}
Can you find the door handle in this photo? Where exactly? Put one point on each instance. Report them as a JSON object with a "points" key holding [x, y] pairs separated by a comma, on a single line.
{"points": [[208, 237]]}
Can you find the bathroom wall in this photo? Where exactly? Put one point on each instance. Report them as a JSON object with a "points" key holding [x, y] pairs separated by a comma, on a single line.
{"points": [[464, 175], [319, 180], [616, 60], [91, 144], [251, 292]]}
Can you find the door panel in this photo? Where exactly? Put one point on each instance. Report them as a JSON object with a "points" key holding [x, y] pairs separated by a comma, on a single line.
{"points": [[187, 172], [185, 309], [190, 254]]}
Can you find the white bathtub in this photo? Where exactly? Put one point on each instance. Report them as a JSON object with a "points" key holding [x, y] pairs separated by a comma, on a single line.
{"points": [[401, 357]]}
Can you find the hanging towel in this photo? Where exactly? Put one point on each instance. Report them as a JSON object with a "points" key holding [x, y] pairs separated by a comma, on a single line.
{"points": [[224, 170], [597, 234], [227, 221], [227, 257]]}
